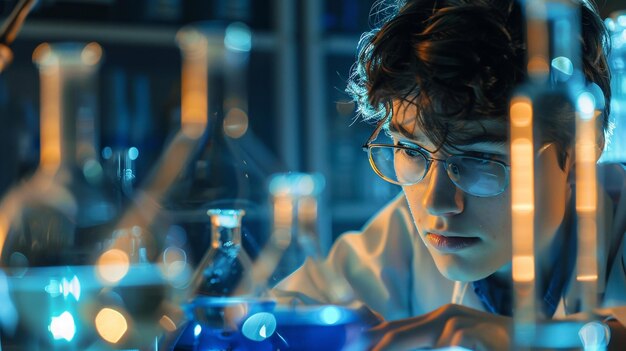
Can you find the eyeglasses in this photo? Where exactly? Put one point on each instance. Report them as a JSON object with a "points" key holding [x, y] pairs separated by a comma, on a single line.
{"points": [[404, 165]]}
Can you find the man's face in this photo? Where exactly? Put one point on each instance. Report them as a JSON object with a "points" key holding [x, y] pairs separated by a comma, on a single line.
{"points": [[469, 237]]}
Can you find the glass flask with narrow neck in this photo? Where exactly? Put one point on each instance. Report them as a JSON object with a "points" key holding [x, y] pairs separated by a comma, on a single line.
{"points": [[221, 271], [52, 223], [54, 218]]}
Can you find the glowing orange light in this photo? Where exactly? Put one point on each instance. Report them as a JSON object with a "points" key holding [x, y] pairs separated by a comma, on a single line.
{"points": [[113, 265], [111, 325], [91, 54], [522, 181], [523, 268], [50, 125], [194, 83], [167, 323], [521, 112], [236, 123]]}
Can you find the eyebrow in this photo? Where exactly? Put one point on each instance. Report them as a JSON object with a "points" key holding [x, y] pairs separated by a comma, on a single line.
{"points": [[398, 129]]}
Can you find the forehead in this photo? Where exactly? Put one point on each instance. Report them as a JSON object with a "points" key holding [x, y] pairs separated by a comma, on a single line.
{"points": [[461, 132]]}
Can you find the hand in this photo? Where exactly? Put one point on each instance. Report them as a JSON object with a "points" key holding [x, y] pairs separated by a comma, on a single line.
{"points": [[449, 325]]}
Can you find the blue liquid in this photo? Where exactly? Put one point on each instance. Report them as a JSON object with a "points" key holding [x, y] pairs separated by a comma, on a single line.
{"points": [[302, 329]]}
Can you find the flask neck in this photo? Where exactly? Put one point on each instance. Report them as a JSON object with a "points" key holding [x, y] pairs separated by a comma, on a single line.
{"points": [[225, 228], [225, 238], [68, 115]]}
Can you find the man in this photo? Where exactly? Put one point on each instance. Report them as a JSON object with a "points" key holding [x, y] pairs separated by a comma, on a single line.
{"points": [[436, 262]]}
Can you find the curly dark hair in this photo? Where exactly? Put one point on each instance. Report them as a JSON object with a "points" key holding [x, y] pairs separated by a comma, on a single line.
{"points": [[460, 61]]}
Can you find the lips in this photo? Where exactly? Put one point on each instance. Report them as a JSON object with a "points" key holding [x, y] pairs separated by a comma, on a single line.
{"points": [[449, 244]]}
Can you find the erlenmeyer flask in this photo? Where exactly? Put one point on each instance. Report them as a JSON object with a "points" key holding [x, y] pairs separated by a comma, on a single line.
{"points": [[54, 221], [221, 172], [64, 202], [221, 270]]}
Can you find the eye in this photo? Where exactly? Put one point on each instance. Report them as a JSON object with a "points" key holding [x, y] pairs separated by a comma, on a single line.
{"points": [[410, 151], [454, 168]]}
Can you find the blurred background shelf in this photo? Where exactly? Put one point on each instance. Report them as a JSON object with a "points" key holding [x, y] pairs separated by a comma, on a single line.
{"points": [[300, 117]]}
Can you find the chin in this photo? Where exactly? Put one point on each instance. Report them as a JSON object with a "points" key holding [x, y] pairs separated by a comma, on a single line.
{"points": [[457, 269]]}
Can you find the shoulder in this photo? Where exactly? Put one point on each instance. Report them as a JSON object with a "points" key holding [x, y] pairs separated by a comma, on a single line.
{"points": [[375, 263], [390, 231]]}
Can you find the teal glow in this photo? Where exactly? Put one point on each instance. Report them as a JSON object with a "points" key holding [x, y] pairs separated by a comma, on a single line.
{"points": [[63, 327], [259, 326], [238, 37], [563, 65], [197, 330], [71, 287], [330, 315], [53, 288], [133, 153], [107, 152]]}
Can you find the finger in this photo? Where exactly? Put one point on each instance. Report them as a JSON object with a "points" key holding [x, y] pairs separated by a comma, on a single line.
{"points": [[407, 337], [452, 329], [440, 313], [481, 337]]}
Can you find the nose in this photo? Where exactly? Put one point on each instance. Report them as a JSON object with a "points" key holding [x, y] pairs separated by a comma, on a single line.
{"points": [[442, 197]]}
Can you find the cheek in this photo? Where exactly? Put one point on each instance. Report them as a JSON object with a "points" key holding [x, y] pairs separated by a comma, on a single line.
{"points": [[493, 216], [414, 196], [486, 217], [551, 199]]}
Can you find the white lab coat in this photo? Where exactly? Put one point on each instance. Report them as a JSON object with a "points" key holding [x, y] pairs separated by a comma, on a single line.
{"points": [[391, 271]]}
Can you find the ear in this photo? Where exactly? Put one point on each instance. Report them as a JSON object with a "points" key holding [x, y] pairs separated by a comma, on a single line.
{"points": [[570, 162]]}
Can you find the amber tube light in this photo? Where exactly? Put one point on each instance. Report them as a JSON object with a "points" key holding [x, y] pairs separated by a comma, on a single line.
{"points": [[522, 216], [50, 125], [194, 83]]}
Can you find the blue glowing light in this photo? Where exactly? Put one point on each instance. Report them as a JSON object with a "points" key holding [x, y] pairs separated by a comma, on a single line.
{"points": [[197, 330], [133, 153], [53, 288], [63, 327], [330, 315], [586, 104], [610, 24], [259, 326], [563, 65], [238, 37], [71, 287], [107, 152]]}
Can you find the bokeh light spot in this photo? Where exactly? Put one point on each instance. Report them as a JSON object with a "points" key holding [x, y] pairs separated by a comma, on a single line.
{"points": [[113, 265], [111, 325]]}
